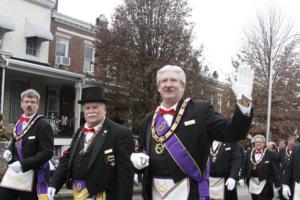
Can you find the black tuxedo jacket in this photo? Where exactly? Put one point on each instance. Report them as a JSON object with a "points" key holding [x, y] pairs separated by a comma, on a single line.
{"points": [[228, 161], [37, 145], [292, 170], [283, 159], [116, 180], [196, 137], [267, 169]]}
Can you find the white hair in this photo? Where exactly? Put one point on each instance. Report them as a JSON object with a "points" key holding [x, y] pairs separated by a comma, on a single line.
{"points": [[170, 68], [259, 136]]}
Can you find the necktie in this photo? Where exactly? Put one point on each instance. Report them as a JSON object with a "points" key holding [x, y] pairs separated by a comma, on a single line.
{"points": [[24, 119], [163, 111], [259, 151], [88, 130]]}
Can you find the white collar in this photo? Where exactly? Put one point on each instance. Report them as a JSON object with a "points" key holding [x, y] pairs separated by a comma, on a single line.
{"points": [[172, 107]]}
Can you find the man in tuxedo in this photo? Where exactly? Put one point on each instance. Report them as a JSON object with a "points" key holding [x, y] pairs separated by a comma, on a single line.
{"points": [[261, 170], [224, 170], [178, 134], [284, 157], [29, 151], [97, 162], [291, 176]]}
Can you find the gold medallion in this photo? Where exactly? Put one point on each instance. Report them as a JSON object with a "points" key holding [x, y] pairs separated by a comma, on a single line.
{"points": [[159, 148], [254, 167]]}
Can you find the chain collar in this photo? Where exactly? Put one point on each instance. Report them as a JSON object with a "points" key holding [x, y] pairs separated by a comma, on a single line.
{"points": [[162, 139]]}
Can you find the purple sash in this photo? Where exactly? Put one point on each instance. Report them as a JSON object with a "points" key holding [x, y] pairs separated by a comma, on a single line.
{"points": [[41, 186], [184, 159]]}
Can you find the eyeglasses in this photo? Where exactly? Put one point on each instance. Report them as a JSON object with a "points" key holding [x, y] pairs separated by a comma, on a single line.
{"points": [[171, 80]]}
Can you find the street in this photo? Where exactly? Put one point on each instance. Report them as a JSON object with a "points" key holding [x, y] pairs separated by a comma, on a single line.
{"points": [[243, 194]]}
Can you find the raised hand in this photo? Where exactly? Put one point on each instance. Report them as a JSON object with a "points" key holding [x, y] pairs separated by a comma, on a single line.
{"points": [[243, 84]]}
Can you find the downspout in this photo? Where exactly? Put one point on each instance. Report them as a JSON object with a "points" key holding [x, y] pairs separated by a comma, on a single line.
{"points": [[3, 82]]}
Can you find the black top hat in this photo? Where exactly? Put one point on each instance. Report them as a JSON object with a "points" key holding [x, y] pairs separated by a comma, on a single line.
{"points": [[92, 94]]}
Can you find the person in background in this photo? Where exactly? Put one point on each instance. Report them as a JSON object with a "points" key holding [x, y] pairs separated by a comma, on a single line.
{"points": [[291, 176], [272, 146], [281, 144], [224, 170], [261, 170], [29, 151], [285, 156]]}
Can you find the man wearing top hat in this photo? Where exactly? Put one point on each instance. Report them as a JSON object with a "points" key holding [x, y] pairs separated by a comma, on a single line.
{"points": [[178, 134], [97, 161], [28, 154]]}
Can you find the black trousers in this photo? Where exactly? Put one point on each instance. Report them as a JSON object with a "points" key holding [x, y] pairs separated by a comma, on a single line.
{"points": [[9, 194]]}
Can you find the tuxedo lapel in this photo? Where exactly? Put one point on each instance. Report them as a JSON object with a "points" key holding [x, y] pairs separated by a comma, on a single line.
{"points": [[74, 147], [177, 109], [98, 142]]}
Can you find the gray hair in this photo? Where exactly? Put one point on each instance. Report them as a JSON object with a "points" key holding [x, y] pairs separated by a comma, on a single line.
{"points": [[259, 136], [170, 68], [31, 93]]}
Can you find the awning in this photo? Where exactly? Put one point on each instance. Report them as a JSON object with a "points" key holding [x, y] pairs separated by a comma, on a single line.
{"points": [[37, 29], [6, 22], [41, 70]]}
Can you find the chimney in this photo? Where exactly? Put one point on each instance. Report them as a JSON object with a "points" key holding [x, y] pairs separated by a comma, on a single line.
{"points": [[101, 21]]}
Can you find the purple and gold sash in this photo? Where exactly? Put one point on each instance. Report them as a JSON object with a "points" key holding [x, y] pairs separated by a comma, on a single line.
{"points": [[183, 159], [41, 186]]}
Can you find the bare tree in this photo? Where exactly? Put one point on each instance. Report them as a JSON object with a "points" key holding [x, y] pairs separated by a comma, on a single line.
{"points": [[145, 35], [272, 40]]}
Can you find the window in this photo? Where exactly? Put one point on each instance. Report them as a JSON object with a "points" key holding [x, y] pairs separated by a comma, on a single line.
{"points": [[32, 45], [62, 47], [15, 106], [88, 59]]}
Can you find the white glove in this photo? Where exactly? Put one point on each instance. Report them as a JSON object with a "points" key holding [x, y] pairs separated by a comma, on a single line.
{"points": [[242, 182], [7, 155], [230, 183], [16, 166], [139, 160], [286, 192], [244, 82], [51, 192]]}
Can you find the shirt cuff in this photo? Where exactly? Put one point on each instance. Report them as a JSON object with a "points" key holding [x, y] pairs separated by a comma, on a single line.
{"points": [[245, 110]]}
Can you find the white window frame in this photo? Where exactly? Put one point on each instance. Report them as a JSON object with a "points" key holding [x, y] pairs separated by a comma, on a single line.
{"points": [[91, 68], [62, 41], [38, 46]]}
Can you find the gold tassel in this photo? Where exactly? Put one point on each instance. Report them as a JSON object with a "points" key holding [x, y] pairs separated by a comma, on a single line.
{"points": [[42, 197], [101, 196], [82, 195]]}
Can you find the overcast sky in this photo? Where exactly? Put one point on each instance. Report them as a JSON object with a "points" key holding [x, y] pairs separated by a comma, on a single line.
{"points": [[219, 24]]}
